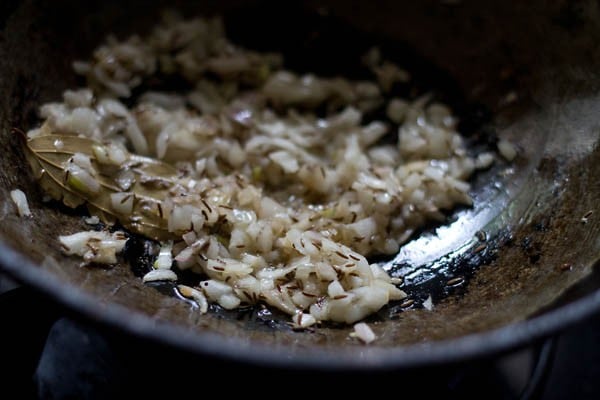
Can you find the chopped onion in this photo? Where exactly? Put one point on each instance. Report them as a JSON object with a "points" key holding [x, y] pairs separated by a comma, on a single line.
{"points": [[507, 149], [302, 320], [165, 257], [94, 246], [196, 295], [364, 332], [20, 200], [160, 275], [122, 202], [81, 180], [428, 303], [92, 220]]}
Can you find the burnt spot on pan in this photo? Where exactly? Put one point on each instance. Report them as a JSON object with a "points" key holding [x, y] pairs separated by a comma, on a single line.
{"points": [[140, 253]]}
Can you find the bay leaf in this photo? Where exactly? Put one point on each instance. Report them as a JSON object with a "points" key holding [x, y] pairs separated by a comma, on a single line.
{"points": [[49, 157]]}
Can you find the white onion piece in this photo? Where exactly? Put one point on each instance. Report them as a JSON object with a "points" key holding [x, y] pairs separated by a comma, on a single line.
{"points": [[165, 256], [160, 275], [507, 149], [20, 200], [364, 332], [94, 246], [81, 180], [122, 202]]}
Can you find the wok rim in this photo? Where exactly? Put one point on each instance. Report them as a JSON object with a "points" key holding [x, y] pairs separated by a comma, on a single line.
{"points": [[427, 354]]}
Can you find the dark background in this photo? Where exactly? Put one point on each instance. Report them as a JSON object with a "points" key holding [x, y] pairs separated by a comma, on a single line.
{"points": [[50, 353]]}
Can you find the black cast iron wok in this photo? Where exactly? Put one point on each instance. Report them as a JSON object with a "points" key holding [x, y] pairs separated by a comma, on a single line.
{"points": [[524, 71]]}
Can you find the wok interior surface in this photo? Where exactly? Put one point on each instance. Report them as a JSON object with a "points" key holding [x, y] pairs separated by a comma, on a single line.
{"points": [[524, 72]]}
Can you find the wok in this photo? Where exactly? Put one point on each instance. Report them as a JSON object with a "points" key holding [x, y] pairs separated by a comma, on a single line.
{"points": [[524, 71]]}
